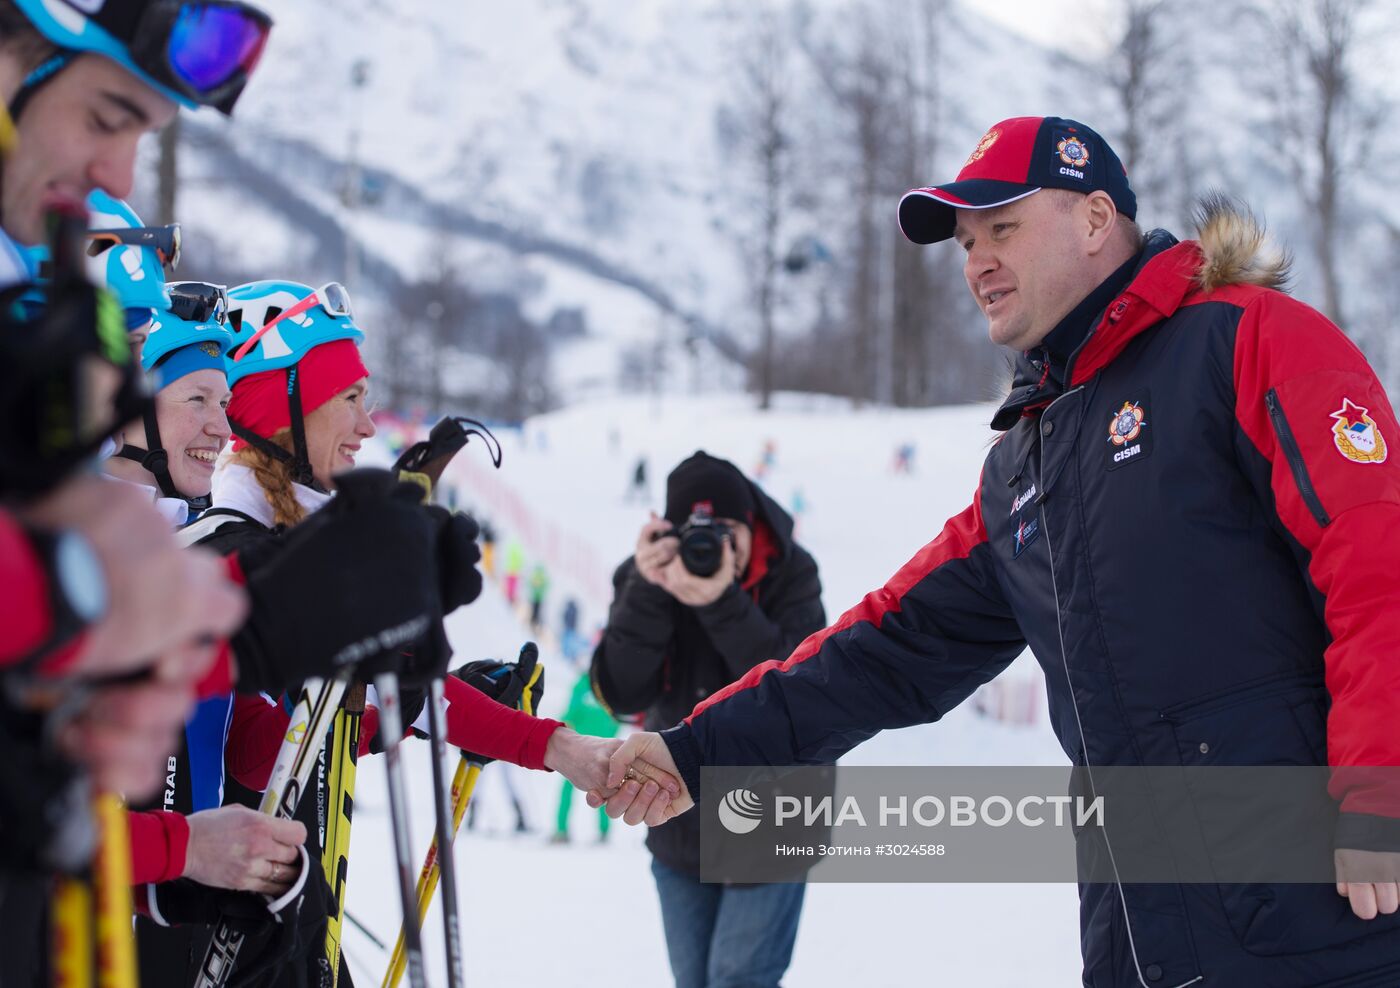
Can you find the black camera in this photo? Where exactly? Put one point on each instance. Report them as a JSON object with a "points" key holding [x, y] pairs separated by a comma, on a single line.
{"points": [[702, 543]]}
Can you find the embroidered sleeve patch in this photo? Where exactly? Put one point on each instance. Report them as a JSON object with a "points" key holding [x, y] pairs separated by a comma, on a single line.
{"points": [[1356, 435]]}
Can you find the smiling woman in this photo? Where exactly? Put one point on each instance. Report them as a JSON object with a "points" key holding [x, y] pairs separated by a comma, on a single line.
{"points": [[299, 388]]}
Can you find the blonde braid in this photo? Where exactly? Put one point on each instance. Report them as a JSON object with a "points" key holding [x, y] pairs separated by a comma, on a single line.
{"points": [[275, 478]]}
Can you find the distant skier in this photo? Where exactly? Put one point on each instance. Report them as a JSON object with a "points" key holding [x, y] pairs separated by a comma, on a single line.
{"points": [[570, 641], [539, 588], [640, 491], [903, 459], [515, 564], [766, 460], [488, 549], [586, 716], [799, 509]]}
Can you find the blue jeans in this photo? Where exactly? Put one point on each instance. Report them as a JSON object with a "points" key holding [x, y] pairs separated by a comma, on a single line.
{"points": [[719, 936]]}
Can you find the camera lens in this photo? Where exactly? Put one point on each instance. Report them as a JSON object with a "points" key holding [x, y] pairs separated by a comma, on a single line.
{"points": [[702, 550]]}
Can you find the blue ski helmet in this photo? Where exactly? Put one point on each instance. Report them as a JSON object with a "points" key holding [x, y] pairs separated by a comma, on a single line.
{"points": [[133, 274], [196, 52], [176, 347], [276, 343]]}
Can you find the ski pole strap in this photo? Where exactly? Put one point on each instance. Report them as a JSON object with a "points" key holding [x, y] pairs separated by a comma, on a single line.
{"points": [[527, 694], [422, 480]]}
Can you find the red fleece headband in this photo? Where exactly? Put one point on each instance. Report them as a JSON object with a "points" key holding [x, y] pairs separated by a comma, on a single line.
{"points": [[259, 401]]}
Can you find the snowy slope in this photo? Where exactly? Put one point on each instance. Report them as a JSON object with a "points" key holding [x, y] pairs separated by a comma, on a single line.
{"points": [[579, 915]]}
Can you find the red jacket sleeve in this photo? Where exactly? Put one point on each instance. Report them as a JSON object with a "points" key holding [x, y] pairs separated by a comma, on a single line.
{"points": [[254, 738], [159, 841], [479, 724], [1310, 403]]}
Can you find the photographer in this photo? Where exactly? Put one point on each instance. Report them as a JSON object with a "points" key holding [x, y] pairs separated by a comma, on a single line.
{"points": [[713, 589]]}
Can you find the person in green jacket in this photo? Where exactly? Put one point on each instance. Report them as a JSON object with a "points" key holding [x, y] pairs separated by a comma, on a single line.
{"points": [[539, 587], [588, 717]]}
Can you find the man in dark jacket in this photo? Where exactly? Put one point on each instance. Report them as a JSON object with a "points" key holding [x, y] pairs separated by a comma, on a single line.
{"points": [[1189, 519], [673, 638]]}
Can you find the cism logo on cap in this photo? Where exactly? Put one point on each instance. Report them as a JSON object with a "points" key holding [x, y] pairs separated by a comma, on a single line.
{"points": [[1014, 159]]}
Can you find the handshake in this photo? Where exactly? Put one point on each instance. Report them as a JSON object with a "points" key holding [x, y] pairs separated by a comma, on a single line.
{"points": [[636, 779]]}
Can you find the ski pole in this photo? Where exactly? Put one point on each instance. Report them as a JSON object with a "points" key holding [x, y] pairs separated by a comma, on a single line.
{"points": [[387, 686], [463, 784], [301, 746], [451, 918], [116, 940], [93, 941], [335, 854]]}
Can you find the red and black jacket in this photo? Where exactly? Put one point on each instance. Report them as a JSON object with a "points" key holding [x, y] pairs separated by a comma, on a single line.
{"points": [[1193, 534]]}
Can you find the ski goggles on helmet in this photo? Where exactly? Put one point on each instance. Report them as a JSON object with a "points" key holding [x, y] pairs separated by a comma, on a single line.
{"points": [[332, 297], [164, 240], [203, 49], [198, 301]]}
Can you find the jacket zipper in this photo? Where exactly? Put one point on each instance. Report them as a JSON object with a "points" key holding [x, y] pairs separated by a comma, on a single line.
{"points": [[1074, 703], [1294, 455]]}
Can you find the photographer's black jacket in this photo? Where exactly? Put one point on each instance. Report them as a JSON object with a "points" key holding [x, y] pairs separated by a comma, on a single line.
{"points": [[660, 657]]}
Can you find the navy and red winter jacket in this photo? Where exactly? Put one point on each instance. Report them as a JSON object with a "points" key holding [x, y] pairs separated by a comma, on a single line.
{"points": [[1195, 535]]}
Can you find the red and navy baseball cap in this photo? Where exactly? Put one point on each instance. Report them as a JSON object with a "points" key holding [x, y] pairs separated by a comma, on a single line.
{"points": [[1014, 159]]}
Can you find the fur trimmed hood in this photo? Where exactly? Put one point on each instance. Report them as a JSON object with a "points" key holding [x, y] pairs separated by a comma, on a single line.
{"points": [[1235, 248]]}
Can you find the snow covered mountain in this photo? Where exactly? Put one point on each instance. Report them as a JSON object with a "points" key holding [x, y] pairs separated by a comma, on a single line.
{"points": [[571, 152]]}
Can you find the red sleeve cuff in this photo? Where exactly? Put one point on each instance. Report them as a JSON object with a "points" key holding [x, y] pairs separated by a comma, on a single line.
{"points": [[532, 755], [159, 843]]}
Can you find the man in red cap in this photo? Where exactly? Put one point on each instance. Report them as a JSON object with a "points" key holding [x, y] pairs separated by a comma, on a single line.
{"points": [[1188, 520]]}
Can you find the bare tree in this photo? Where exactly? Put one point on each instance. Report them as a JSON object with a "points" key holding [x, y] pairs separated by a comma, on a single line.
{"points": [[1152, 81], [756, 126], [1319, 110], [168, 173]]}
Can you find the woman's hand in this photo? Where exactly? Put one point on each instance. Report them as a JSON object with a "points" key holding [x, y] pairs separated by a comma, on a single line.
{"points": [[234, 847]]}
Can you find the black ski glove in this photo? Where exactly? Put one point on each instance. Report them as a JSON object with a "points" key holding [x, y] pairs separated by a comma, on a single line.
{"points": [[507, 683], [458, 555], [354, 584]]}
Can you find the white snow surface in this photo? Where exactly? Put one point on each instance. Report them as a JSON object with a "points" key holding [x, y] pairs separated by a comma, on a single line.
{"points": [[586, 914]]}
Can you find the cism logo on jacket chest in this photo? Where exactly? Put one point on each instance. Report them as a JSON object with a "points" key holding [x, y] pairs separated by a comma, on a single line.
{"points": [[1128, 436]]}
